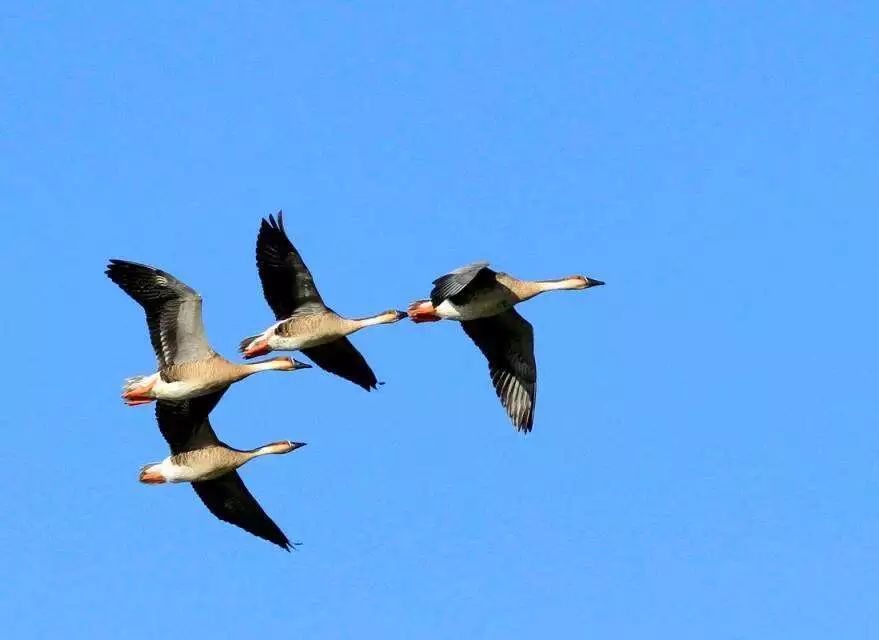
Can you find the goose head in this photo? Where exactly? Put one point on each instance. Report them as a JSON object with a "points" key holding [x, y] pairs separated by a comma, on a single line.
{"points": [[394, 315], [583, 282], [285, 446], [288, 364]]}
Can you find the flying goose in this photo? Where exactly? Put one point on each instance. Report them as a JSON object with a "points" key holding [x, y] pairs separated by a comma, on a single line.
{"points": [[305, 323], [188, 366], [482, 300], [198, 457]]}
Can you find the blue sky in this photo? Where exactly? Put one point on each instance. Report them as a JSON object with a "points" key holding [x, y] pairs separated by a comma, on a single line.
{"points": [[703, 462]]}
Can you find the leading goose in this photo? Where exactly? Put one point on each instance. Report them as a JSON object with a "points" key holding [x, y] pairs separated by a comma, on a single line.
{"points": [[482, 300], [198, 457], [305, 323], [188, 366]]}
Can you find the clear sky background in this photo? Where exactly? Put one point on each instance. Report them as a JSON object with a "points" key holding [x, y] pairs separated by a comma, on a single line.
{"points": [[704, 457]]}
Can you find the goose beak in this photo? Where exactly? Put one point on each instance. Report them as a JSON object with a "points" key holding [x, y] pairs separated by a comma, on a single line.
{"points": [[401, 315], [300, 365], [591, 282], [296, 445]]}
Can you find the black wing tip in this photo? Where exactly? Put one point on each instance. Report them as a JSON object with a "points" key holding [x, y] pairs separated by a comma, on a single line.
{"points": [[522, 419], [272, 238], [119, 268], [521, 415], [273, 224], [122, 271], [146, 283], [115, 266], [118, 263]]}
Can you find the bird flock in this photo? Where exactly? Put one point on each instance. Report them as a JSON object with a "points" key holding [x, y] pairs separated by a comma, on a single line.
{"points": [[191, 377]]}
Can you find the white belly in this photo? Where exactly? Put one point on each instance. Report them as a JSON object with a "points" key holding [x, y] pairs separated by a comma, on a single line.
{"points": [[182, 473], [195, 466], [174, 472], [296, 343], [482, 307], [182, 389], [185, 473]]}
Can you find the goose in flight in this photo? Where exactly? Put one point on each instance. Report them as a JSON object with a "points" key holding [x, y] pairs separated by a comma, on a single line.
{"points": [[482, 300], [305, 323], [187, 365], [198, 457]]}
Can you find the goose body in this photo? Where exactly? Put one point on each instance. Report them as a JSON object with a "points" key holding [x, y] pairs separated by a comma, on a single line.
{"points": [[304, 322], [310, 327], [483, 301], [490, 302], [201, 459], [207, 463], [187, 365]]}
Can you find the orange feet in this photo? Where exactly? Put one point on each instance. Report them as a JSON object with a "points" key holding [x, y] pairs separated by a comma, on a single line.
{"points": [[152, 478], [258, 347], [422, 311], [133, 401], [139, 395]]}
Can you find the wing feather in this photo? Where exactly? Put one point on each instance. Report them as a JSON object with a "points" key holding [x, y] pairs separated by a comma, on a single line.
{"points": [[507, 342], [184, 424], [343, 359], [459, 280], [173, 311], [229, 500], [287, 283]]}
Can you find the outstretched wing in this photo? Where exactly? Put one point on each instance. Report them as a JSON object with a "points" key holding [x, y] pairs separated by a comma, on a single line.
{"points": [[287, 283], [459, 280], [343, 359], [507, 342], [173, 311], [229, 500], [184, 424]]}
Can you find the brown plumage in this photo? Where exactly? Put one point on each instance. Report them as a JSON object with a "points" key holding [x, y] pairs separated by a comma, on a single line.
{"points": [[200, 458], [482, 300], [305, 323], [187, 365]]}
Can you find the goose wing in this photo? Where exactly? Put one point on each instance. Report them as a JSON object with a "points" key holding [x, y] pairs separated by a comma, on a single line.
{"points": [[287, 284], [343, 359], [462, 278], [229, 500], [507, 342], [186, 427], [173, 311], [184, 424]]}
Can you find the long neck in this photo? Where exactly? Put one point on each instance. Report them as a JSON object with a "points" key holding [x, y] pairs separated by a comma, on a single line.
{"points": [[276, 364], [274, 447], [531, 288], [350, 325]]}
